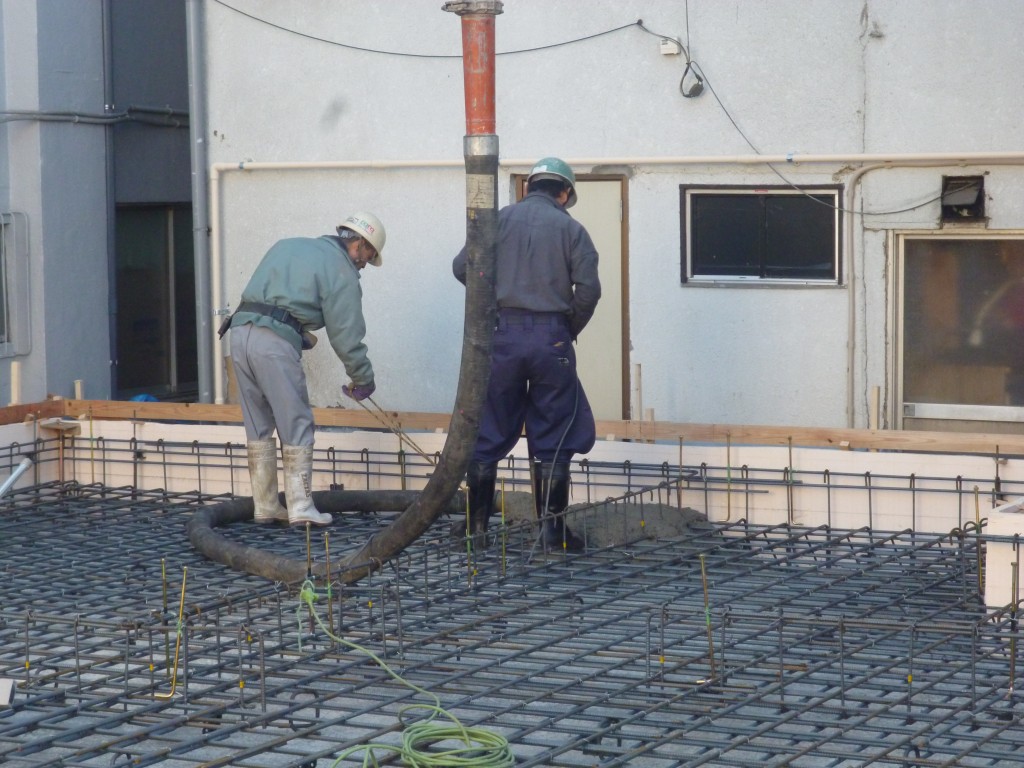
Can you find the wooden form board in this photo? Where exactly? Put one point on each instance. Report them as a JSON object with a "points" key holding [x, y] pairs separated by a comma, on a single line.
{"points": [[642, 431]]}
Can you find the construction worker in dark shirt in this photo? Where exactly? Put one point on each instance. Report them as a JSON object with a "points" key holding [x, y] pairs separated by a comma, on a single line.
{"points": [[547, 289]]}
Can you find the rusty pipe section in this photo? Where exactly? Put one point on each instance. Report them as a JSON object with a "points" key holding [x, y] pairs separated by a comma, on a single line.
{"points": [[477, 61]]}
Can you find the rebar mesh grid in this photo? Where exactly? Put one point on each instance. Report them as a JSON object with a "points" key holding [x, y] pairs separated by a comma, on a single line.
{"points": [[735, 645], [193, 464]]}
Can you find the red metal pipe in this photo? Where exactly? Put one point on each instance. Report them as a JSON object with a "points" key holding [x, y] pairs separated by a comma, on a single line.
{"points": [[478, 72], [477, 61]]}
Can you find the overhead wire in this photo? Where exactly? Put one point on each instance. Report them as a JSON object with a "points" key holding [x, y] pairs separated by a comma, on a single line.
{"points": [[702, 80], [363, 49], [812, 195], [691, 67]]}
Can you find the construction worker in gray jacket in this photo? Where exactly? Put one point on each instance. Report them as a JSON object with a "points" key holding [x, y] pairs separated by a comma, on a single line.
{"points": [[302, 284]]}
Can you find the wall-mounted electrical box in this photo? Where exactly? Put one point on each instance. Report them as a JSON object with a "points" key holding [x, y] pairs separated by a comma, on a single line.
{"points": [[670, 47]]}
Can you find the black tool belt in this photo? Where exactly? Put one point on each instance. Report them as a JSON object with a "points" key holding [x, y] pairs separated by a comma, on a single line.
{"points": [[280, 314]]}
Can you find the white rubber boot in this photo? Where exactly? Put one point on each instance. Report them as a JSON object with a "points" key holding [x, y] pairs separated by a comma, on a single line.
{"points": [[263, 477], [298, 484]]}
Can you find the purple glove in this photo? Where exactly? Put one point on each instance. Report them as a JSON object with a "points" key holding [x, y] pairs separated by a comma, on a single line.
{"points": [[358, 391]]}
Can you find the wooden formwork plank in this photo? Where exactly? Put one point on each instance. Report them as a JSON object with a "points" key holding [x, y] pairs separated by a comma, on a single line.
{"points": [[356, 417], [644, 431], [15, 414], [849, 439], [114, 410]]}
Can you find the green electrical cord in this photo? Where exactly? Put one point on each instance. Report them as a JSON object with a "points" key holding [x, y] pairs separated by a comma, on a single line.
{"points": [[480, 748]]}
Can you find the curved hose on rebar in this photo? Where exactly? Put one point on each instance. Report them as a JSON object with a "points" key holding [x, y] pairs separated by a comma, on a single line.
{"points": [[427, 505], [203, 536], [474, 374]]}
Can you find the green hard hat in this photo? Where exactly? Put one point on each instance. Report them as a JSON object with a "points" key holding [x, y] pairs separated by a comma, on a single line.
{"points": [[555, 168]]}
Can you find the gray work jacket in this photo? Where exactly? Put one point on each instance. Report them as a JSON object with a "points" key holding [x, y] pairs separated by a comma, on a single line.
{"points": [[316, 281], [546, 261]]}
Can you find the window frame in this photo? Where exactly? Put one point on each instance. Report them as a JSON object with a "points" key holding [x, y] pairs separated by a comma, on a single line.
{"points": [[16, 331], [925, 415], [687, 193]]}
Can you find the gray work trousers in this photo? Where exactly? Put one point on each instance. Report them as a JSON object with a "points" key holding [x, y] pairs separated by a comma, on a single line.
{"points": [[271, 386]]}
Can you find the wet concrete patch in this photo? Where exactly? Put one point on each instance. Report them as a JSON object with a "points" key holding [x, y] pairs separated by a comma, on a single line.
{"points": [[610, 524]]}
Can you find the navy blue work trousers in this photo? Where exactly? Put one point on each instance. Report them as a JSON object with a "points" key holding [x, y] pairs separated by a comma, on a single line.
{"points": [[534, 384]]}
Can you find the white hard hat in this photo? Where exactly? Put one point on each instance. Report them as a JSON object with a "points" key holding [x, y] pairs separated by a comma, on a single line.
{"points": [[369, 226]]}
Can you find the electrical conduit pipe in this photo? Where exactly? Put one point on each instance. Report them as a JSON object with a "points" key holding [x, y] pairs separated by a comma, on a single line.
{"points": [[22, 468]]}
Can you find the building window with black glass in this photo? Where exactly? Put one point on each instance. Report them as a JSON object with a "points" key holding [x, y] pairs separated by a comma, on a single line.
{"points": [[766, 233]]}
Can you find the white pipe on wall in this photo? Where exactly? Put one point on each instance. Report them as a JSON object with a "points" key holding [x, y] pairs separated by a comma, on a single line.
{"points": [[15, 382], [875, 160]]}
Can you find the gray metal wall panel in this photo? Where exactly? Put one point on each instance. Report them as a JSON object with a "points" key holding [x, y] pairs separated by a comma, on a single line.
{"points": [[73, 244], [151, 70]]}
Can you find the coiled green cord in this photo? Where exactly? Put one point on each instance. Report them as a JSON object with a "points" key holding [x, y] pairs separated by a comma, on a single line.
{"points": [[480, 748]]}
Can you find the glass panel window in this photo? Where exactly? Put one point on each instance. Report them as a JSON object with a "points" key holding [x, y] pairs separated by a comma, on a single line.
{"points": [[779, 234], [963, 321]]}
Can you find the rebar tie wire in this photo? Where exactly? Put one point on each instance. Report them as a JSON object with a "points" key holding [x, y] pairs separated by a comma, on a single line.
{"points": [[481, 748], [391, 424]]}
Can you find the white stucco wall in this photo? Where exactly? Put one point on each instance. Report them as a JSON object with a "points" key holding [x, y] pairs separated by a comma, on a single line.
{"points": [[804, 77]]}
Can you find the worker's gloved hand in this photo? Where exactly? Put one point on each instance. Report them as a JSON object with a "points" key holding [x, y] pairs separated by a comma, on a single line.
{"points": [[358, 391]]}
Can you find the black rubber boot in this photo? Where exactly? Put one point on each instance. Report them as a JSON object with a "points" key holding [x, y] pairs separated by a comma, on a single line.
{"points": [[551, 497], [480, 479]]}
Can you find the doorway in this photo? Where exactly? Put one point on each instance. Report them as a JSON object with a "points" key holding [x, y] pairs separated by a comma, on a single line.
{"points": [[156, 320], [602, 350]]}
